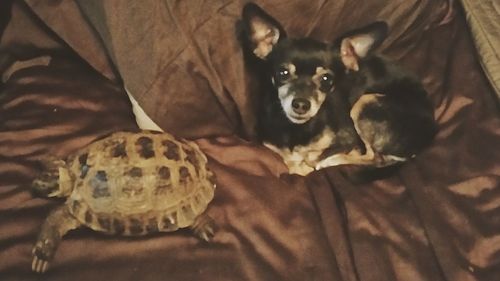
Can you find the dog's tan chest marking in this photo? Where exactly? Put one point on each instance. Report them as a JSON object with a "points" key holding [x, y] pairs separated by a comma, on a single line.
{"points": [[302, 159]]}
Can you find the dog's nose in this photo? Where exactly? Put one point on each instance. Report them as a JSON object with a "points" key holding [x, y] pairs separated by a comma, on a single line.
{"points": [[300, 105]]}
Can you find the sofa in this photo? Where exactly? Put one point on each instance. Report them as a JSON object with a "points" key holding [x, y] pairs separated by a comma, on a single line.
{"points": [[68, 68]]}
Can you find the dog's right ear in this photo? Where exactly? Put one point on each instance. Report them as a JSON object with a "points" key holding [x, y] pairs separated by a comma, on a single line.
{"points": [[262, 31]]}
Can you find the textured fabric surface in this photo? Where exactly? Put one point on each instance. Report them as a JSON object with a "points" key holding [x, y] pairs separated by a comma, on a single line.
{"points": [[437, 219], [484, 20], [178, 57]]}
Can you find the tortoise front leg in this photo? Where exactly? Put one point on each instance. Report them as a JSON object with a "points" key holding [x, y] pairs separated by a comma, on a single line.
{"points": [[55, 226]]}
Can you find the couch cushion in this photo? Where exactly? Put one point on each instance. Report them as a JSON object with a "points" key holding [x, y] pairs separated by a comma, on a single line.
{"points": [[484, 21], [182, 62], [268, 228], [51, 110]]}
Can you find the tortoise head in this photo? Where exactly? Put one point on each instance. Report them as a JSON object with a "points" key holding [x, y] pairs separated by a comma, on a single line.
{"points": [[55, 180]]}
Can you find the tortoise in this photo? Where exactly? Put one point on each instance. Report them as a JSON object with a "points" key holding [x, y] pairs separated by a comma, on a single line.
{"points": [[129, 183]]}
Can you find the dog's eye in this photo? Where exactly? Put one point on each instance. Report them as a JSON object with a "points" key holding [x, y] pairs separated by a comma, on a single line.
{"points": [[326, 81], [283, 74]]}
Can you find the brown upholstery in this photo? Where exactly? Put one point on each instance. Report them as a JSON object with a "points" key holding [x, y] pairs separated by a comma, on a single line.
{"points": [[436, 219]]}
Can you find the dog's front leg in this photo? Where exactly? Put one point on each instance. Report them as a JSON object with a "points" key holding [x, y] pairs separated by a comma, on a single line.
{"points": [[294, 160], [299, 167], [354, 157]]}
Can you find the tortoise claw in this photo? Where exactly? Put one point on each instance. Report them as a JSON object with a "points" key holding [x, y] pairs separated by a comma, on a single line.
{"points": [[205, 236], [39, 265], [205, 228], [210, 231], [43, 252]]}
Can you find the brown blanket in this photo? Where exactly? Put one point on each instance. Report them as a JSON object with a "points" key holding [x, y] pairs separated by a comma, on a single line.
{"points": [[437, 219]]}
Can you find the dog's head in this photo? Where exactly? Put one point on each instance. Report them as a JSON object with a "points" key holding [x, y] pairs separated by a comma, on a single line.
{"points": [[305, 71]]}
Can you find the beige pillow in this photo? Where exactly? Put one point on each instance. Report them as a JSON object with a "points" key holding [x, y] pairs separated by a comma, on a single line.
{"points": [[484, 21]]}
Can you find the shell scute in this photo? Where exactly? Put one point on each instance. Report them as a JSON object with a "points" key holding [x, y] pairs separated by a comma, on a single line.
{"points": [[138, 183]]}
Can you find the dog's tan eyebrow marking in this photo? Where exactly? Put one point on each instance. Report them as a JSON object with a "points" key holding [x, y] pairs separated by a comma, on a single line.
{"points": [[320, 71], [290, 67]]}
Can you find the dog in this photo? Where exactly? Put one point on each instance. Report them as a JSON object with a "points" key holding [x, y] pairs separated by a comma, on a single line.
{"points": [[338, 103]]}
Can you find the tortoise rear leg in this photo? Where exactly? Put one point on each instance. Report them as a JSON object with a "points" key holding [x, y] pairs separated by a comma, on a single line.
{"points": [[55, 181], [55, 226], [204, 227]]}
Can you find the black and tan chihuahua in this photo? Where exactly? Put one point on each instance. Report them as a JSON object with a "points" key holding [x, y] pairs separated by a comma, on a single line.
{"points": [[328, 104]]}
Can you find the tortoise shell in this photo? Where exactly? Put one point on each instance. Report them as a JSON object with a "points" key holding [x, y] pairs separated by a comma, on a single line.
{"points": [[139, 183]]}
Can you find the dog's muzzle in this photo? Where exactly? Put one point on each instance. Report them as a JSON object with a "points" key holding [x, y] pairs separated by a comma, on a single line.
{"points": [[301, 106]]}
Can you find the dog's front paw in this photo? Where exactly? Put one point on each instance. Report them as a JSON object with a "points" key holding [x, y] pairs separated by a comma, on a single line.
{"points": [[300, 169], [334, 160], [320, 166]]}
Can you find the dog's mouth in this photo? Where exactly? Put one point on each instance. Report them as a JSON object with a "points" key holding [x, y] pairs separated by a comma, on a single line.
{"points": [[297, 119]]}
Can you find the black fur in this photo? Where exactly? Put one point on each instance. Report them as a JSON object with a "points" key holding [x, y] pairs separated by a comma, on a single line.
{"points": [[404, 110], [406, 107], [273, 126]]}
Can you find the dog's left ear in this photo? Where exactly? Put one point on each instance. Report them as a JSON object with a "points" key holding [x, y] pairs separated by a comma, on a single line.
{"points": [[360, 42], [262, 31]]}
